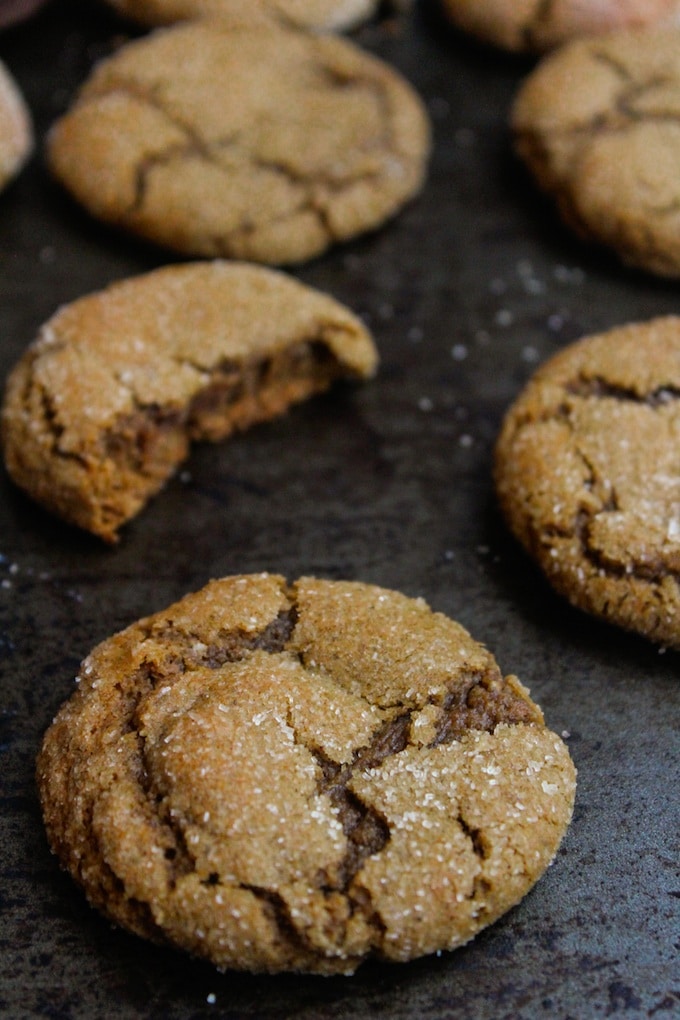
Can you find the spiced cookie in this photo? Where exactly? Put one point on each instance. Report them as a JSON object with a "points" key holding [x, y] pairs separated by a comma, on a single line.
{"points": [[244, 141], [299, 777], [101, 409], [16, 129], [319, 15], [598, 125], [587, 475], [539, 25]]}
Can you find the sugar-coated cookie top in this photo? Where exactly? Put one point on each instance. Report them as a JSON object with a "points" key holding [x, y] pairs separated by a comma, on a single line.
{"points": [[297, 777], [101, 408], [256, 142], [587, 474], [597, 124]]}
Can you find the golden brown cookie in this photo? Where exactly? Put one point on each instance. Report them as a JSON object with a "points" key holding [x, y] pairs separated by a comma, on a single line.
{"points": [[539, 25], [598, 124], [298, 777], [261, 143], [16, 129], [102, 408], [319, 15], [587, 475]]}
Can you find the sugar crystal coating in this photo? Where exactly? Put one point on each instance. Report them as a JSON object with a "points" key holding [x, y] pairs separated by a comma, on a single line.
{"points": [[298, 777]]}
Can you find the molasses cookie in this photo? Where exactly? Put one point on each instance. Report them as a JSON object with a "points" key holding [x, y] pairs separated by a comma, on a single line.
{"points": [[598, 125], [587, 475], [245, 141], [102, 408], [538, 25], [16, 129], [319, 15], [298, 777]]}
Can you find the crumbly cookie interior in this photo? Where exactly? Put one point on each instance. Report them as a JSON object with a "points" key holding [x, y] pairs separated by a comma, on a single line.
{"points": [[102, 408]]}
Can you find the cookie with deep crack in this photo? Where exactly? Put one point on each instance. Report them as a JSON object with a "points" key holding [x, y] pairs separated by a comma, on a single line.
{"points": [[535, 26], [319, 15], [254, 142], [16, 128], [598, 125], [101, 409], [587, 475], [298, 777]]}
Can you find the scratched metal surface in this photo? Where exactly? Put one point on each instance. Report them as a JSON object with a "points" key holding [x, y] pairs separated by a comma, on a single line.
{"points": [[466, 292]]}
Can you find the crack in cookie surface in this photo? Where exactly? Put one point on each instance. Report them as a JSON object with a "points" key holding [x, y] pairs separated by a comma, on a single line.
{"points": [[607, 148], [221, 765], [587, 475], [324, 143]]}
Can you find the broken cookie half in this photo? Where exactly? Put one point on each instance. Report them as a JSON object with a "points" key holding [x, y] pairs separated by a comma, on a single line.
{"points": [[102, 407], [281, 777]]}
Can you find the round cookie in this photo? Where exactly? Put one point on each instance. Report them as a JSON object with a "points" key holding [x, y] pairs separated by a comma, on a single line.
{"points": [[586, 471], [297, 777], [256, 142], [318, 15], [537, 25], [16, 129], [597, 123], [101, 409]]}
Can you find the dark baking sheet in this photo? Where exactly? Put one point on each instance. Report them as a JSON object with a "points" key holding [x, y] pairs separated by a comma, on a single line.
{"points": [[466, 291]]}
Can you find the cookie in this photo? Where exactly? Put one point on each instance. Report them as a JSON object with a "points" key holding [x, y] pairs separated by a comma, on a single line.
{"points": [[298, 777], [102, 407], [252, 142], [16, 129], [537, 25], [587, 476], [319, 15], [597, 125]]}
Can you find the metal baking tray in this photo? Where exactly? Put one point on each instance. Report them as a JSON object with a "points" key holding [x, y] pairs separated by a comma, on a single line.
{"points": [[466, 291]]}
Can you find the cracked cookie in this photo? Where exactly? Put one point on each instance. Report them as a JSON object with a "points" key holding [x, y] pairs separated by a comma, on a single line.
{"points": [[598, 125], [102, 407], [319, 15], [586, 471], [253, 142], [16, 128], [298, 777], [537, 25]]}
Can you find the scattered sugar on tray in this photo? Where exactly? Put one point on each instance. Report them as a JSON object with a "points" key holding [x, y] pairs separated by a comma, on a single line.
{"points": [[504, 317], [556, 322], [565, 274], [459, 352], [530, 354], [425, 404]]}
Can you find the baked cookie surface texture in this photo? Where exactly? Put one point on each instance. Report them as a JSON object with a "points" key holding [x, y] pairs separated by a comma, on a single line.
{"points": [[16, 128], [260, 143], [598, 124], [537, 25], [587, 475], [101, 409], [298, 777], [320, 15]]}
